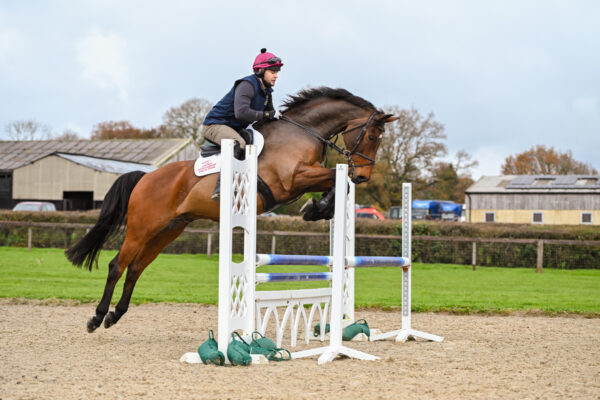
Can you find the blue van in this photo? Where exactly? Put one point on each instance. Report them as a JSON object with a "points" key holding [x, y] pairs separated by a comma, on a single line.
{"points": [[430, 209]]}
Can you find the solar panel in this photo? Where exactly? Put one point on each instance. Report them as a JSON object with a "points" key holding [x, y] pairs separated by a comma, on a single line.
{"points": [[562, 180], [523, 180]]}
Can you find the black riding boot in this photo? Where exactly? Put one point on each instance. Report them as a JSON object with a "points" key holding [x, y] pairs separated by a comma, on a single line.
{"points": [[238, 152]]}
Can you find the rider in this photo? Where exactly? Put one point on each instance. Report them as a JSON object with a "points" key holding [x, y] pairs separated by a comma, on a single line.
{"points": [[248, 101]]}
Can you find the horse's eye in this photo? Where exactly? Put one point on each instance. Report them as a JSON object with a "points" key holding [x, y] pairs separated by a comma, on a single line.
{"points": [[371, 138]]}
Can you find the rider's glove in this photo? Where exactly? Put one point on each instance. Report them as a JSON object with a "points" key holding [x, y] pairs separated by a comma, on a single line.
{"points": [[272, 114]]}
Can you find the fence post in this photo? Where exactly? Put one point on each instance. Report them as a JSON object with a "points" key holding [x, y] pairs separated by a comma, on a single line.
{"points": [[29, 237], [273, 244], [474, 256], [540, 256], [208, 245]]}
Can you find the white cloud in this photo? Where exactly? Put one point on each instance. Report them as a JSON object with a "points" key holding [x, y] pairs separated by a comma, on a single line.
{"points": [[103, 60]]}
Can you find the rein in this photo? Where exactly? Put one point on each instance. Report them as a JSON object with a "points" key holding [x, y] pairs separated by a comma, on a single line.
{"points": [[344, 152]]}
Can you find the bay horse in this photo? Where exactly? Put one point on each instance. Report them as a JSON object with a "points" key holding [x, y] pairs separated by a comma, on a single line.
{"points": [[157, 206]]}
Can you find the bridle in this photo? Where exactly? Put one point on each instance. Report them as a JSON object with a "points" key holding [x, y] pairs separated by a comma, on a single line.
{"points": [[345, 152]]}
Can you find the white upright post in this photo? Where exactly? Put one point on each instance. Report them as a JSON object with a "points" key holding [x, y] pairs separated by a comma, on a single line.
{"points": [[238, 209], [335, 347], [406, 330], [406, 252], [349, 272]]}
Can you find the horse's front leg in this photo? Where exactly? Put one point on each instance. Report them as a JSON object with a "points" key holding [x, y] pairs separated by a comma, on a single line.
{"points": [[314, 179]]}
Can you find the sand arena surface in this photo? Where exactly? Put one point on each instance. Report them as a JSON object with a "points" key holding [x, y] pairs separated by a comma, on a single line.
{"points": [[46, 353]]}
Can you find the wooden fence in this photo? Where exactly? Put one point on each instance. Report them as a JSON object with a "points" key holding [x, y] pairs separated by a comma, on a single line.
{"points": [[206, 241]]}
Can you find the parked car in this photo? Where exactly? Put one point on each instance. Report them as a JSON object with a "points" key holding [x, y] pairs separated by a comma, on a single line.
{"points": [[369, 212], [34, 206]]}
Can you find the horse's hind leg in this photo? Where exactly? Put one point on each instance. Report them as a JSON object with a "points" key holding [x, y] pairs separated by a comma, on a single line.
{"points": [[147, 254], [124, 257]]}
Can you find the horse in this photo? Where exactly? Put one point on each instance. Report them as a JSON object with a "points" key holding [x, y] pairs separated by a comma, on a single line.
{"points": [[156, 207]]}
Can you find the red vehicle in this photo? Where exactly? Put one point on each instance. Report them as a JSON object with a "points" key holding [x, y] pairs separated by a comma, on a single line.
{"points": [[369, 212]]}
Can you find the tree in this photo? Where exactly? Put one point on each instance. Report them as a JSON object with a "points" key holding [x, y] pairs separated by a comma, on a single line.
{"points": [[445, 183], [27, 129], [67, 136], [409, 149], [121, 130], [542, 160], [186, 120]]}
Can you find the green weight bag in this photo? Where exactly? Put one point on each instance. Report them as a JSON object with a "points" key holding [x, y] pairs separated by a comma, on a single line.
{"points": [[355, 328], [209, 351], [317, 329], [268, 348], [238, 351]]}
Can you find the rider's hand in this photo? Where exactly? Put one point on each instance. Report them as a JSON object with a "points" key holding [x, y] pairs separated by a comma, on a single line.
{"points": [[272, 114]]}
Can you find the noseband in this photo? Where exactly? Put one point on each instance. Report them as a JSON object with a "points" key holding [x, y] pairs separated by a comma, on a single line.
{"points": [[346, 153]]}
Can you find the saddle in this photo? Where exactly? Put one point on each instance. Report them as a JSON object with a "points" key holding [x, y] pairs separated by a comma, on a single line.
{"points": [[210, 148]]}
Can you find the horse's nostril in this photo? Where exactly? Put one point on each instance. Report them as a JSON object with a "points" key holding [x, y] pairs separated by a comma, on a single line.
{"points": [[360, 179]]}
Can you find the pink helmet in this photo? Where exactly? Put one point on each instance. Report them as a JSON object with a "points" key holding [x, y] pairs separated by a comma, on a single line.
{"points": [[267, 61]]}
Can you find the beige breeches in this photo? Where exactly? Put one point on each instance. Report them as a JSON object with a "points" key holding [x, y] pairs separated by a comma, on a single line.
{"points": [[216, 133]]}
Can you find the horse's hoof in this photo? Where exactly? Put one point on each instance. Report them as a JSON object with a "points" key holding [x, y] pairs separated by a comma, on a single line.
{"points": [[110, 319], [92, 325]]}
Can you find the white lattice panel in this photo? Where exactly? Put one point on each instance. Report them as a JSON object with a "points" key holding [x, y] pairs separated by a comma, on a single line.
{"points": [[239, 301], [291, 315]]}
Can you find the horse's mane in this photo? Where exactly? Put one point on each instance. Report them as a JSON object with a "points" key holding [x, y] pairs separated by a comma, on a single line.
{"points": [[306, 95]]}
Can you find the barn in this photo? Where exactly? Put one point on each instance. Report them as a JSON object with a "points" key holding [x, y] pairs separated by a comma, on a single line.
{"points": [[535, 199], [75, 175]]}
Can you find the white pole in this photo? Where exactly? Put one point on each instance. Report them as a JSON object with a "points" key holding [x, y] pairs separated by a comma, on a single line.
{"points": [[406, 252], [350, 253]]}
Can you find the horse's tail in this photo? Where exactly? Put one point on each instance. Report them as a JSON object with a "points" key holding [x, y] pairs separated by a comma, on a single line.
{"points": [[112, 216]]}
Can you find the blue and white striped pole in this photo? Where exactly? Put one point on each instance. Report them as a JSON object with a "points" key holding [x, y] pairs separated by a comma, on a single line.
{"points": [[292, 276]]}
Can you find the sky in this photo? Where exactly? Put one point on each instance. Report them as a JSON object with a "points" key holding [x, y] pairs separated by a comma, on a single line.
{"points": [[501, 76]]}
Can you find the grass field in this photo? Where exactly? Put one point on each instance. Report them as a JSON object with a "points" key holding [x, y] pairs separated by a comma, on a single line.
{"points": [[45, 273]]}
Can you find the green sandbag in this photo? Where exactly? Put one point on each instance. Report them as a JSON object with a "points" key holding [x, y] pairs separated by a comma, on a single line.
{"points": [[268, 348], [317, 329], [209, 351], [349, 332], [238, 351], [355, 328]]}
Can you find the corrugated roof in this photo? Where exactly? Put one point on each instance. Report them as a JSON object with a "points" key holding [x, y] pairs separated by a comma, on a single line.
{"points": [[14, 154], [104, 165], [536, 183]]}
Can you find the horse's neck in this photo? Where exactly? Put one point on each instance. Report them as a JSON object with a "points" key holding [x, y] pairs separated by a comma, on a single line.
{"points": [[328, 119], [325, 120]]}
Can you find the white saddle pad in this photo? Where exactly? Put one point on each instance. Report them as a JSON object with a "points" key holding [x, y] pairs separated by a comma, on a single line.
{"points": [[211, 165]]}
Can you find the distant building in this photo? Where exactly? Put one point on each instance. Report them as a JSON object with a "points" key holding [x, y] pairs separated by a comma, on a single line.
{"points": [[76, 175], [535, 199]]}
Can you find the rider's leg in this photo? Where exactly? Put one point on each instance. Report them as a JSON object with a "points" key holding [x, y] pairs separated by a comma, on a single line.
{"points": [[216, 133]]}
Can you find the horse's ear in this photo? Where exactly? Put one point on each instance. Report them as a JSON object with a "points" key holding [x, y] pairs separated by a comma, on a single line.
{"points": [[387, 118]]}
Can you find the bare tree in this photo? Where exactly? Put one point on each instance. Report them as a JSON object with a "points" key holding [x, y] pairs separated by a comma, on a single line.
{"points": [[186, 120], [463, 164], [27, 129], [542, 160], [410, 147]]}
